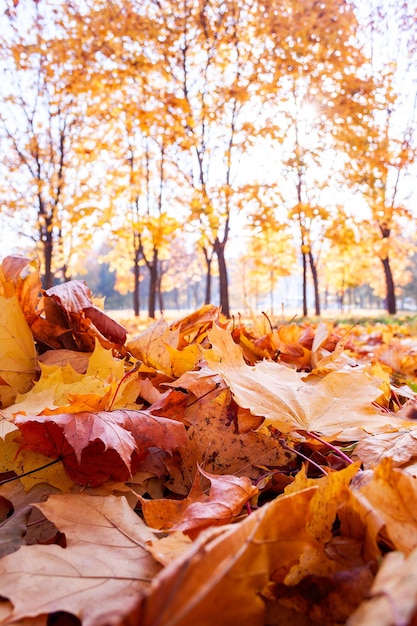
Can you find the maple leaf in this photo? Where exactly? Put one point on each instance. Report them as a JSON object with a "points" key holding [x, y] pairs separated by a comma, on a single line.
{"points": [[97, 446], [60, 388], [214, 442], [225, 500], [36, 465], [151, 345], [98, 577], [157, 347], [17, 350], [339, 405]]}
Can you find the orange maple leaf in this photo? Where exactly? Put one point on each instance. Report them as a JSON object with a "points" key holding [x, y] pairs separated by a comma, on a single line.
{"points": [[225, 500]]}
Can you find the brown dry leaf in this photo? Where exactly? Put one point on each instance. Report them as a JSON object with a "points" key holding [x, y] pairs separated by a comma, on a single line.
{"points": [[98, 577], [215, 443], [69, 320], [339, 405], [392, 598], [223, 503], [77, 360]]}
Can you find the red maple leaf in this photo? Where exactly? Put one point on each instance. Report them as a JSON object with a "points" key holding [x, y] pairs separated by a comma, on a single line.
{"points": [[95, 447]]}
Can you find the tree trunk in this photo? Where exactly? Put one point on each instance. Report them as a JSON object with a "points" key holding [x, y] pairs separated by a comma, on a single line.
{"points": [[48, 277], [314, 274], [159, 293], [136, 289], [304, 259], [391, 304], [223, 279], [153, 284], [209, 259]]}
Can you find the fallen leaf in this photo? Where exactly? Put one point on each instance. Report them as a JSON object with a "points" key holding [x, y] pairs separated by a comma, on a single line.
{"points": [[400, 446], [62, 389], [392, 493], [223, 503], [169, 548], [37, 466], [240, 560], [270, 549], [215, 443], [150, 346], [97, 446], [13, 531], [98, 577], [17, 351], [70, 320], [77, 360], [339, 405]]}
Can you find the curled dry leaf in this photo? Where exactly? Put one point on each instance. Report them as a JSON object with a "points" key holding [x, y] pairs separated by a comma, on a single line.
{"points": [[223, 503], [70, 320]]}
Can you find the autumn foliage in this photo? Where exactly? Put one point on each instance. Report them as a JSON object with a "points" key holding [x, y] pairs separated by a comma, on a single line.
{"points": [[204, 471]]}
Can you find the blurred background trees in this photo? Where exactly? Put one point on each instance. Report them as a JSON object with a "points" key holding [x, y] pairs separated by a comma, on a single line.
{"points": [[204, 150]]}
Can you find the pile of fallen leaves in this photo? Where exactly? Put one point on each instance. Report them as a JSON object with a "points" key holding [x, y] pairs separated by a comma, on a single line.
{"points": [[201, 472]]}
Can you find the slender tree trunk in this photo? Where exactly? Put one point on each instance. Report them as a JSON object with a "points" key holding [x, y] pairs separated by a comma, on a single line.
{"points": [[209, 258], [159, 293], [390, 300], [304, 260], [314, 274], [391, 304], [136, 289], [47, 240], [153, 284], [223, 279]]}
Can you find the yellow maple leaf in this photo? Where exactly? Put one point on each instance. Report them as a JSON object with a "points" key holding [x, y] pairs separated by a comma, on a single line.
{"points": [[12, 458], [60, 387], [17, 351]]}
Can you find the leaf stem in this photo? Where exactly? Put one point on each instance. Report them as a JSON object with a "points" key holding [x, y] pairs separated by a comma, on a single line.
{"points": [[303, 456], [122, 380], [335, 449]]}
